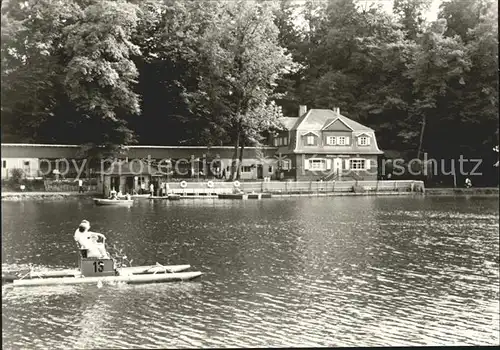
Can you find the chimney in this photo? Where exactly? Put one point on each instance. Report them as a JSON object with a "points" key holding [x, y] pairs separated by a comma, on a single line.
{"points": [[302, 110], [336, 110]]}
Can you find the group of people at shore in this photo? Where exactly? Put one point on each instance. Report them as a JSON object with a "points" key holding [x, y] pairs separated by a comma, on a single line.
{"points": [[163, 191], [118, 195]]}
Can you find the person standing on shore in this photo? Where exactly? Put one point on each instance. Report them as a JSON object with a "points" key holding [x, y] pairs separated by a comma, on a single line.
{"points": [[80, 186], [468, 183]]}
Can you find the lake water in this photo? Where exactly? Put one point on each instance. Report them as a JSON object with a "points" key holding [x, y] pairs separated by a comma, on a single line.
{"points": [[331, 271]]}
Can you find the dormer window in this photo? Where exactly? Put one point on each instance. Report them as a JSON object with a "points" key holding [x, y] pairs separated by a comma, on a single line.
{"points": [[342, 140], [331, 140], [310, 140], [363, 141]]}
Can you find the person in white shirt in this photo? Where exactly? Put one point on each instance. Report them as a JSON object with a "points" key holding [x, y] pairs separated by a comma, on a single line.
{"points": [[468, 183], [80, 186], [151, 189], [89, 241]]}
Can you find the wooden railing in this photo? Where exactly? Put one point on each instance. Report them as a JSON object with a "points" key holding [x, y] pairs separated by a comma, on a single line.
{"points": [[202, 188]]}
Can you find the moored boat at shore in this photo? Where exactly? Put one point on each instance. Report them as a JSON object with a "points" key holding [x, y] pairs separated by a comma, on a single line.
{"points": [[109, 201]]}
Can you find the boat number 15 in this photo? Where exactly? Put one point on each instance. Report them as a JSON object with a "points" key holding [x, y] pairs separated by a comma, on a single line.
{"points": [[98, 266]]}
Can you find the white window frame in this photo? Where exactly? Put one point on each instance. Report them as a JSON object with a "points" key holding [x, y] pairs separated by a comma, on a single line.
{"points": [[317, 164], [310, 138], [286, 164], [331, 140], [363, 141], [275, 141], [357, 164], [247, 167], [342, 141]]}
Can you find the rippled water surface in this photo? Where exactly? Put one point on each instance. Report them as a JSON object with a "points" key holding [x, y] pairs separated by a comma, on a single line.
{"points": [[352, 271]]}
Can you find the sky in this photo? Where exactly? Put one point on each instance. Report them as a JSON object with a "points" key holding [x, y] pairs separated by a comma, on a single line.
{"points": [[431, 14]]}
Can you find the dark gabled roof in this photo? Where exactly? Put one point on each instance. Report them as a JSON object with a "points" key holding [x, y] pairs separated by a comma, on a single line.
{"points": [[331, 121], [317, 118]]}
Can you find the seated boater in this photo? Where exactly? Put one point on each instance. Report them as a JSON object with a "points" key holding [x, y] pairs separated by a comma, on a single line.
{"points": [[88, 240]]}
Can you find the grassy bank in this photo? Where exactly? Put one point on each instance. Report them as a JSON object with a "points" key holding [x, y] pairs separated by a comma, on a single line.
{"points": [[18, 196], [479, 191]]}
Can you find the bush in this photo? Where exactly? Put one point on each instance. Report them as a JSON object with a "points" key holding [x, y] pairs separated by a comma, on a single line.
{"points": [[16, 175], [34, 185]]}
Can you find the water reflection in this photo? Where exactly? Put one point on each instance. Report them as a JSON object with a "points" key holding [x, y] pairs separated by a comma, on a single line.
{"points": [[279, 272]]}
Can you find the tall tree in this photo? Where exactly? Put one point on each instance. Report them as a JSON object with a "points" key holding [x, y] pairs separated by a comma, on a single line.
{"points": [[66, 70], [410, 14], [463, 15], [100, 73], [439, 69], [242, 60]]}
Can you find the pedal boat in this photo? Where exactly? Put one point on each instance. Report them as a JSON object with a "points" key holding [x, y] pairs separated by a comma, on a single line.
{"points": [[94, 270]]}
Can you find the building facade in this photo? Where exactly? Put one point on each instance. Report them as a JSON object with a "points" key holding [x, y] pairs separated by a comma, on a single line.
{"points": [[318, 144], [41, 160], [322, 144]]}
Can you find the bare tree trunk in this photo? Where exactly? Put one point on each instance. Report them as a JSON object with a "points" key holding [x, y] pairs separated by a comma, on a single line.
{"points": [[454, 178], [87, 167], [234, 165], [238, 174], [422, 130]]}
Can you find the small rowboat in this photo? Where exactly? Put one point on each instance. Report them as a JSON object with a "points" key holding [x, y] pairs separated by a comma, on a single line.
{"points": [[119, 202]]}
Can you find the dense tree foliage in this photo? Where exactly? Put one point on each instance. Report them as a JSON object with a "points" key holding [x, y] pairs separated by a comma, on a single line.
{"points": [[115, 72]]}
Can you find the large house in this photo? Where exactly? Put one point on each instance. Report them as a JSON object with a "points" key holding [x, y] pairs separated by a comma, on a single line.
{"points": [[324, 144]]}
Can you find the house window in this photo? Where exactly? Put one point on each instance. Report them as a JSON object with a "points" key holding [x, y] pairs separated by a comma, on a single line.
{"points": [[310, 140], [4, 164], [27, 169], [285, 141], [286, 165], [331, 140], [317, 164], [363, 141], [342, 140], [276, 142], [246, 169], [357, 164], [270, 170]]}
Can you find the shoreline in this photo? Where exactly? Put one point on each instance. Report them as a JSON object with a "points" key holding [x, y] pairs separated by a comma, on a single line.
{"points": [[19, 196], [460, 192], [432, 192]]}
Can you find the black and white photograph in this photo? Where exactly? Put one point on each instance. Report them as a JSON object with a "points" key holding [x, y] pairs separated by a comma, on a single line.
{"points": [[210, 174]]}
